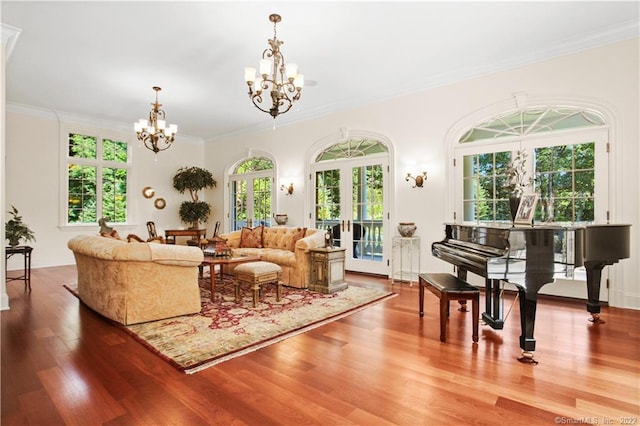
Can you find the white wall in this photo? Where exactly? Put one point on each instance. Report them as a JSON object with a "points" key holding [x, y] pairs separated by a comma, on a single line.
{"points": [[418, 126]]}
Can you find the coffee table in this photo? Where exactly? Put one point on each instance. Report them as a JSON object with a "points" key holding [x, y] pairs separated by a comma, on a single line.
{"points": [[212, 261]]}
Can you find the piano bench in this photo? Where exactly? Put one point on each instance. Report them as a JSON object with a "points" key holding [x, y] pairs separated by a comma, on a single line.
{"points": [[447, 287]]}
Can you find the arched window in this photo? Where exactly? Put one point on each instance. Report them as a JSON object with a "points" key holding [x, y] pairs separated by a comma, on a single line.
{"points": [[251, 191], [565, 151]]}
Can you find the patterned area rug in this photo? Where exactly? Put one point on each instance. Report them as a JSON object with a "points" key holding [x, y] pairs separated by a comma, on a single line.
{"points": [[225, 329]]}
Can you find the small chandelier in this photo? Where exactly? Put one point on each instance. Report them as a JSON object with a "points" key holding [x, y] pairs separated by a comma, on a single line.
{"points": [[283, 85], [154, 132]]}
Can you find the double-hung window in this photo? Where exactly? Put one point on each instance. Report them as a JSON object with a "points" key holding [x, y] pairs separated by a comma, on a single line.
{"points": [[97, 179]]}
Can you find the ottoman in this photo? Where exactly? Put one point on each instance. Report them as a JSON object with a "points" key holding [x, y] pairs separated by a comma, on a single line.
{"points": [[256, 274]]}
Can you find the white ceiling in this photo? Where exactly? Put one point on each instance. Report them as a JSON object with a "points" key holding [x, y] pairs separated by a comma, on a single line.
{"points": [[101, 59]]}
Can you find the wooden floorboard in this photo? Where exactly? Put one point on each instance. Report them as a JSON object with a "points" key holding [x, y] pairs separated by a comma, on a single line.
{"points": [[63, 364]]}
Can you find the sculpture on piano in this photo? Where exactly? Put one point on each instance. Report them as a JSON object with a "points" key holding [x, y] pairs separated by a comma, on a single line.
{"points": [[517, 181]]}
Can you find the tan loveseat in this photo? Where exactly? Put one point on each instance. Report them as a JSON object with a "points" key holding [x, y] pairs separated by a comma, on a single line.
{"points": [[136, 282], [278, 248]]}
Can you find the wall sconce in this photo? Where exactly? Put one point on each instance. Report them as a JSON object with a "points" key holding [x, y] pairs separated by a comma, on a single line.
{"points": [[288, 189], [418, 180]]}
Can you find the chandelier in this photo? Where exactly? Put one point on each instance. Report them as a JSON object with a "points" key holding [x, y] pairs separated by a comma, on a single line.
{"points": [[154, 132], [282, 82]]}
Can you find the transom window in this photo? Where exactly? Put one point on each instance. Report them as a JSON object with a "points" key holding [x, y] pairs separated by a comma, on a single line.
{"points": [[97, 179], [533, 120], [351, 149]]}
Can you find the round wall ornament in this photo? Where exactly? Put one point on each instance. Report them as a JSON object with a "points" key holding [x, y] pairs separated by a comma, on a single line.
{"points": [[160, 203], [148, 192]]}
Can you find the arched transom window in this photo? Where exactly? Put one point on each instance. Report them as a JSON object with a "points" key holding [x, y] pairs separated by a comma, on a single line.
{"points": [[351, 149]]}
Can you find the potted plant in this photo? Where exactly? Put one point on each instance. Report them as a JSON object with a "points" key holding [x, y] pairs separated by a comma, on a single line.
{"points": [[15, 229], [193, 179]]}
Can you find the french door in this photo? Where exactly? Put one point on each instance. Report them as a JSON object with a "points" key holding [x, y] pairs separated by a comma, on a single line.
{"points": [[350, 199]]}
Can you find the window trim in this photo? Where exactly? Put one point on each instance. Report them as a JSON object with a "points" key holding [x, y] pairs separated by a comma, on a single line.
{"points": [[64, 160]]}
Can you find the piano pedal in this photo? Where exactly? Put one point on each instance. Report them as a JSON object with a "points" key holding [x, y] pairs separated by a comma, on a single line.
{"points": [[595, 319], [527, 358]]}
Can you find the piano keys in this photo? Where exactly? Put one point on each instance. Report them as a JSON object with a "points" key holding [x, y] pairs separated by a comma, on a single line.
{"points": [[529, 258]]}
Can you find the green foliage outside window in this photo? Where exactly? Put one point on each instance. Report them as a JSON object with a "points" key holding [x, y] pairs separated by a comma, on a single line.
{"points": [[486, 192], [86, 173], [564, 176], [328, 195], [367, 193], [565, 180]]}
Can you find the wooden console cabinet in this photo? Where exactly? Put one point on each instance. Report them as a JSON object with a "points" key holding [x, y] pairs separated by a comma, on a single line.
{"points": [[327, 270]]}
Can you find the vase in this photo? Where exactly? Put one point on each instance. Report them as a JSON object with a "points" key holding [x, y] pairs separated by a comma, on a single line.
{"points": [[281, 218], [514, 203], [406, 229]]}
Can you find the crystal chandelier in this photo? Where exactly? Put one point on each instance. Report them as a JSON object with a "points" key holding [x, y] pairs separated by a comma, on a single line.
{"points": [[154, 132], [282, 82]]}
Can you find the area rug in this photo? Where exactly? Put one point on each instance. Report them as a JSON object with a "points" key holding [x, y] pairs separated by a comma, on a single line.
{"points": [[225, 329]]}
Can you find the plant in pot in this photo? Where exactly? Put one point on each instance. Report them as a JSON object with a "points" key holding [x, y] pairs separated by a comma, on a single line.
{"points": [[15, 229], [193, 179]]}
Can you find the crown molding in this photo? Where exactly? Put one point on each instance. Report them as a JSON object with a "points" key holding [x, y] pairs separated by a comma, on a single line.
{"points": [[78, 119]]}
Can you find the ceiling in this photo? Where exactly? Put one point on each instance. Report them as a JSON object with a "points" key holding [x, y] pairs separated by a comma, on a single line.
{"points": [[101, 59]]}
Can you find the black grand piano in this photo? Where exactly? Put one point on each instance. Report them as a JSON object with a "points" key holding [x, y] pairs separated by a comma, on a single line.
{"points": [[530, 257]]}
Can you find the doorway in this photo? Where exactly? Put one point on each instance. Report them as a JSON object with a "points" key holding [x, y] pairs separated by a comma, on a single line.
{"points": [[350, 200]]}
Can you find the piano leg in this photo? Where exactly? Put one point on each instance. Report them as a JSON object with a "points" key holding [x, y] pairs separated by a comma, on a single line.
{"points": [[594, 275], [493, 303], [528, 304]]}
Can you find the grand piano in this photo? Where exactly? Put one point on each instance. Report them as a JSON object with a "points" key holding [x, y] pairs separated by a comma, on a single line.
{"points": [[530, 257]]}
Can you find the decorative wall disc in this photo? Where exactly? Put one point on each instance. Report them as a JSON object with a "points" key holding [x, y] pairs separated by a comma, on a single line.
{"points": [[148, 192], [160, 203]]}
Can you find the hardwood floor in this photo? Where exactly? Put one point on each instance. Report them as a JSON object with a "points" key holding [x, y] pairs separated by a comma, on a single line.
{"points": [[63, 364]]}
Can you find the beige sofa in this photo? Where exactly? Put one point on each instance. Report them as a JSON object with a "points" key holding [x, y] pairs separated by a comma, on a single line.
{"points": [[136, 282], [277, 248]]}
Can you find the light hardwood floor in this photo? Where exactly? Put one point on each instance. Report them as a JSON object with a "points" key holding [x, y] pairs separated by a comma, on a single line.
{"points": [[63, 364]]}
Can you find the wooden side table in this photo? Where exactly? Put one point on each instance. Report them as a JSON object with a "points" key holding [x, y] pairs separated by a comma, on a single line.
{"points": [[26, 252], [171, 234], [327, 269]]}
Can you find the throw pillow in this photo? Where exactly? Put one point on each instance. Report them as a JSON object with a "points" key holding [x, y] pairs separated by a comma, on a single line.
{"points": [[296, 236], [133, 238], [251, 238]]}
